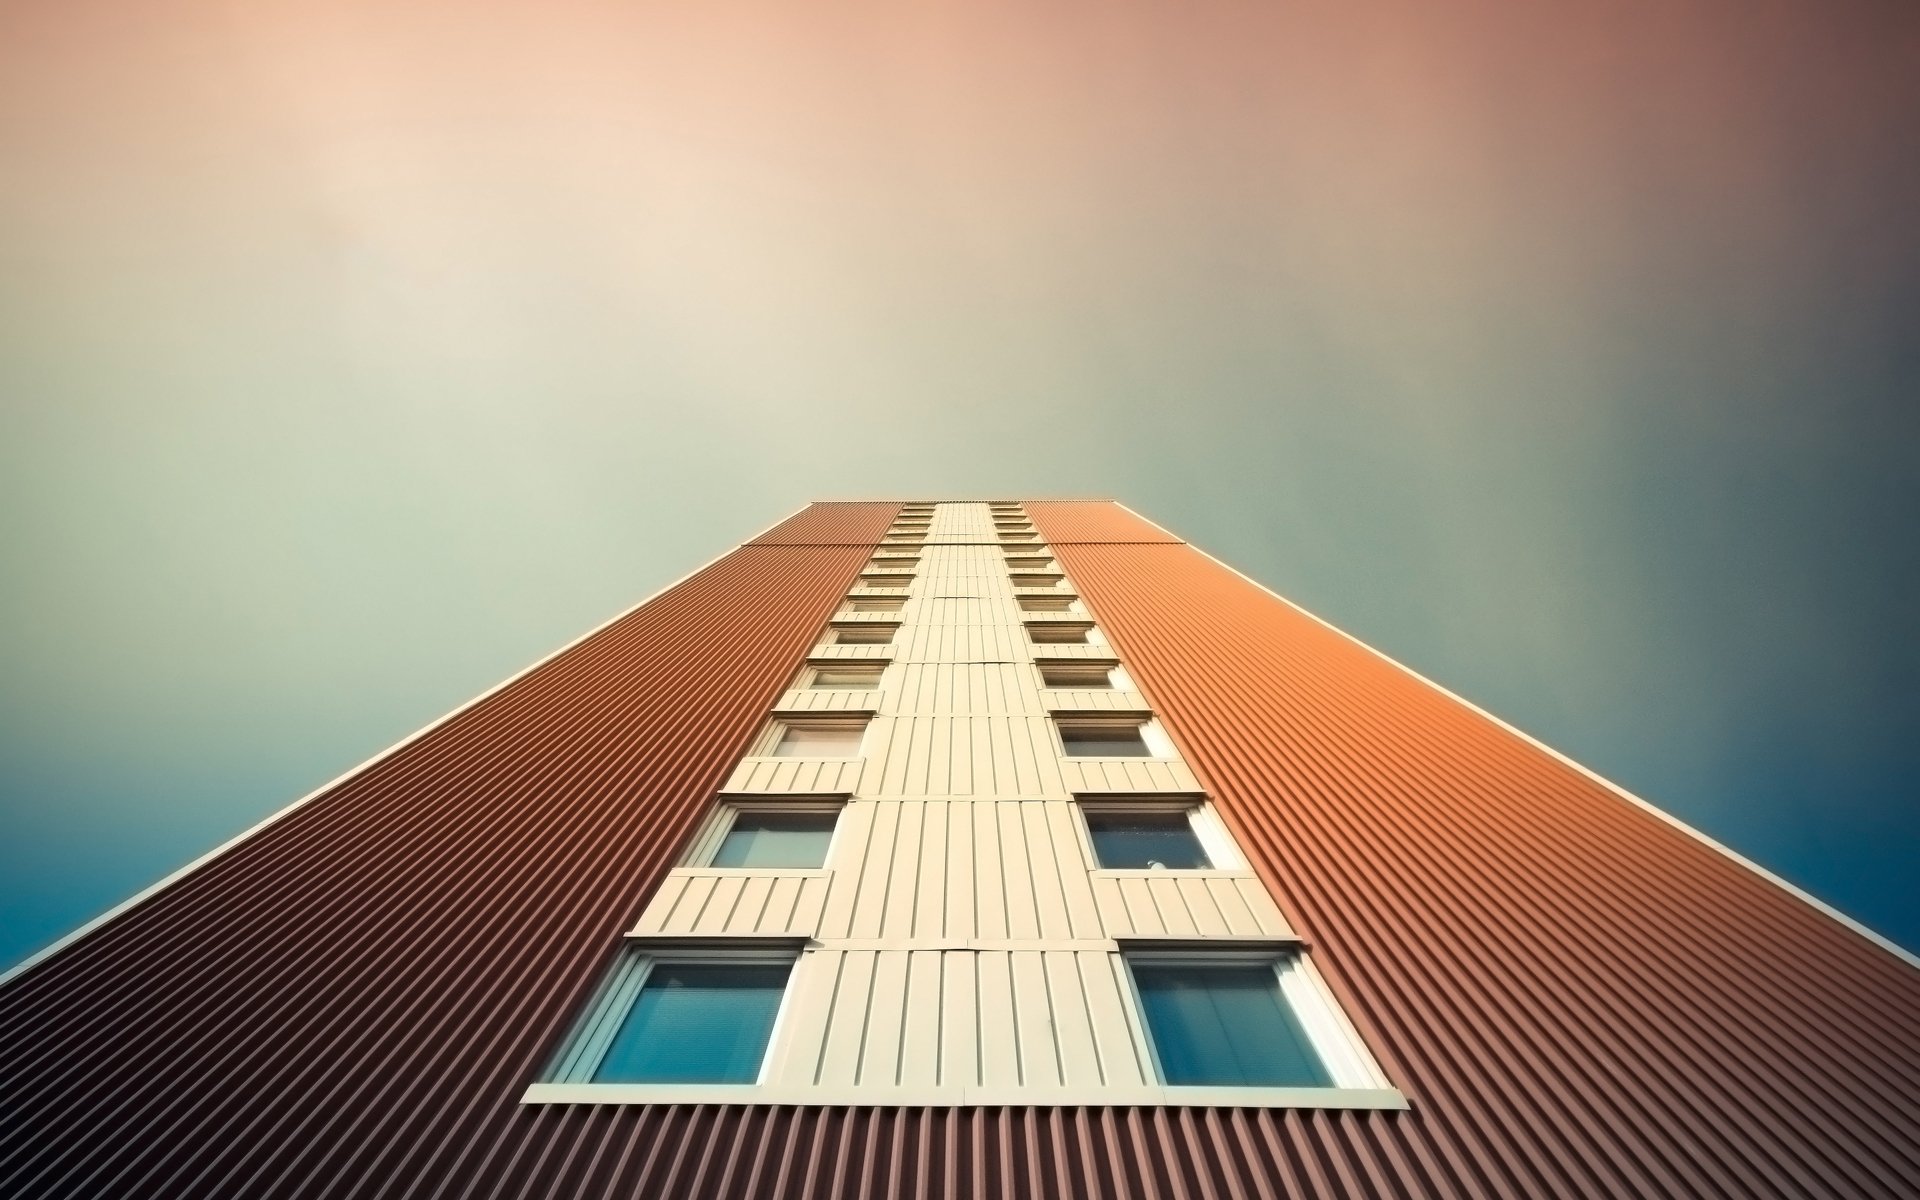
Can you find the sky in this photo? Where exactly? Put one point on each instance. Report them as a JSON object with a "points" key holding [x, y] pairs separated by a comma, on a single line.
{"points": [[353, 356]]}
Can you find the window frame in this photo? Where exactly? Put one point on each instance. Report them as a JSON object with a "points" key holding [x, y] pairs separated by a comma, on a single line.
{"points": [[1090, 634], [1343, 1054], [1160, 747], [836, 628], [1116, 674], [875, 604], [719, 823], [585, 1047], [1208, 829], [809, 678], [775, 733]]}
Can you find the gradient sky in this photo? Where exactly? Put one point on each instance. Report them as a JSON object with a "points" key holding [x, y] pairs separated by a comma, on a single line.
{"points": [[354, 355]]}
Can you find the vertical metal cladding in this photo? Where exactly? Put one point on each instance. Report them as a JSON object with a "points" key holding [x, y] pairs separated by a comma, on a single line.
{"points": [[834, 523], [1579, 998]]}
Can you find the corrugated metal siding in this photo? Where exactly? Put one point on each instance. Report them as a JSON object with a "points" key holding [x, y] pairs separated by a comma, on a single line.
{"points": [[851, 523], [1578, 998], [1536, 1066], [1063, 522]]}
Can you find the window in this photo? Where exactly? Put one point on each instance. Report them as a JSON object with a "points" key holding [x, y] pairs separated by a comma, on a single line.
{"points": [[863, 635], [1056, 604], [1147, 840], [875, 605], [667, 1018], [858, 676], [1082, 676], [1105, 739], [819, 739], [1228, 1024], [1047, 579], [1020, 562], [887, 581], [775, 838], [1062, 634]]}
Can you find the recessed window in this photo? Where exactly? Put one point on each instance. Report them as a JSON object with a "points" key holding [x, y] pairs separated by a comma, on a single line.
{"points": [[1105, 739], [684, 1022], [777, 839], [886, 581], [1020, 562], [1045, 604], [1061, 634], [855, 676], [819, 739], [1226, 1025], [875, 605], [1079, 676], [863, 635], [1146, 841], [1046, 579]]}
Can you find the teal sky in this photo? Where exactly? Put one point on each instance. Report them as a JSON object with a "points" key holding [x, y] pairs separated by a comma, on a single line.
{"points": [[354, 356]]}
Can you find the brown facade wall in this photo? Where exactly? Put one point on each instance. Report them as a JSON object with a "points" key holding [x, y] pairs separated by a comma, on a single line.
{"points": [[1578, 999]]}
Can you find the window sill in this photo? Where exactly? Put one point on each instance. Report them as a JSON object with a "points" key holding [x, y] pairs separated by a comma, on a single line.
{"points": [[1386, 1099]]}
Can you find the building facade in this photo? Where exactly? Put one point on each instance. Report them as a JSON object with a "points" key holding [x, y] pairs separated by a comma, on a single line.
{"points": [[965, 849]]}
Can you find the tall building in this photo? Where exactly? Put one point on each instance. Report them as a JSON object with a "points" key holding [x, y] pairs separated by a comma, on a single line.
{"points": [[948, 849]]}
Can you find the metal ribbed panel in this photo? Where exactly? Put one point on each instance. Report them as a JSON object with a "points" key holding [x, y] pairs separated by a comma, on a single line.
{"points": [[858, 523], [1063, 522], [1578, 998]]}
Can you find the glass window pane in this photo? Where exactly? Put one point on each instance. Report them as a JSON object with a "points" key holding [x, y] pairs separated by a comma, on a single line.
{"points": [[1104, 741], [1077, 677], [697, 1023], [1133, 841], [1226, 1026], [819, 741], [845, 677], [867, 635], [1055, 635], [776, 840]]}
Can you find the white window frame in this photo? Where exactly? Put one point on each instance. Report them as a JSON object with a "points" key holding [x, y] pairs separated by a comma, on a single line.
{"points": [[1349, 1065], [1091, 635], [1060, 604], [1159, 745], [1117, 678], [837, 628], [1211, 832], [809, 679], [719, 823], [770, 739], [884, 604], [586, 1045]]}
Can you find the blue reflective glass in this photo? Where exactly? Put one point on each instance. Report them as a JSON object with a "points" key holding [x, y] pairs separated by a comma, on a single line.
{"points": [[776, 840], [1226, 1026], [697, 1023], [1127, 841]]}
